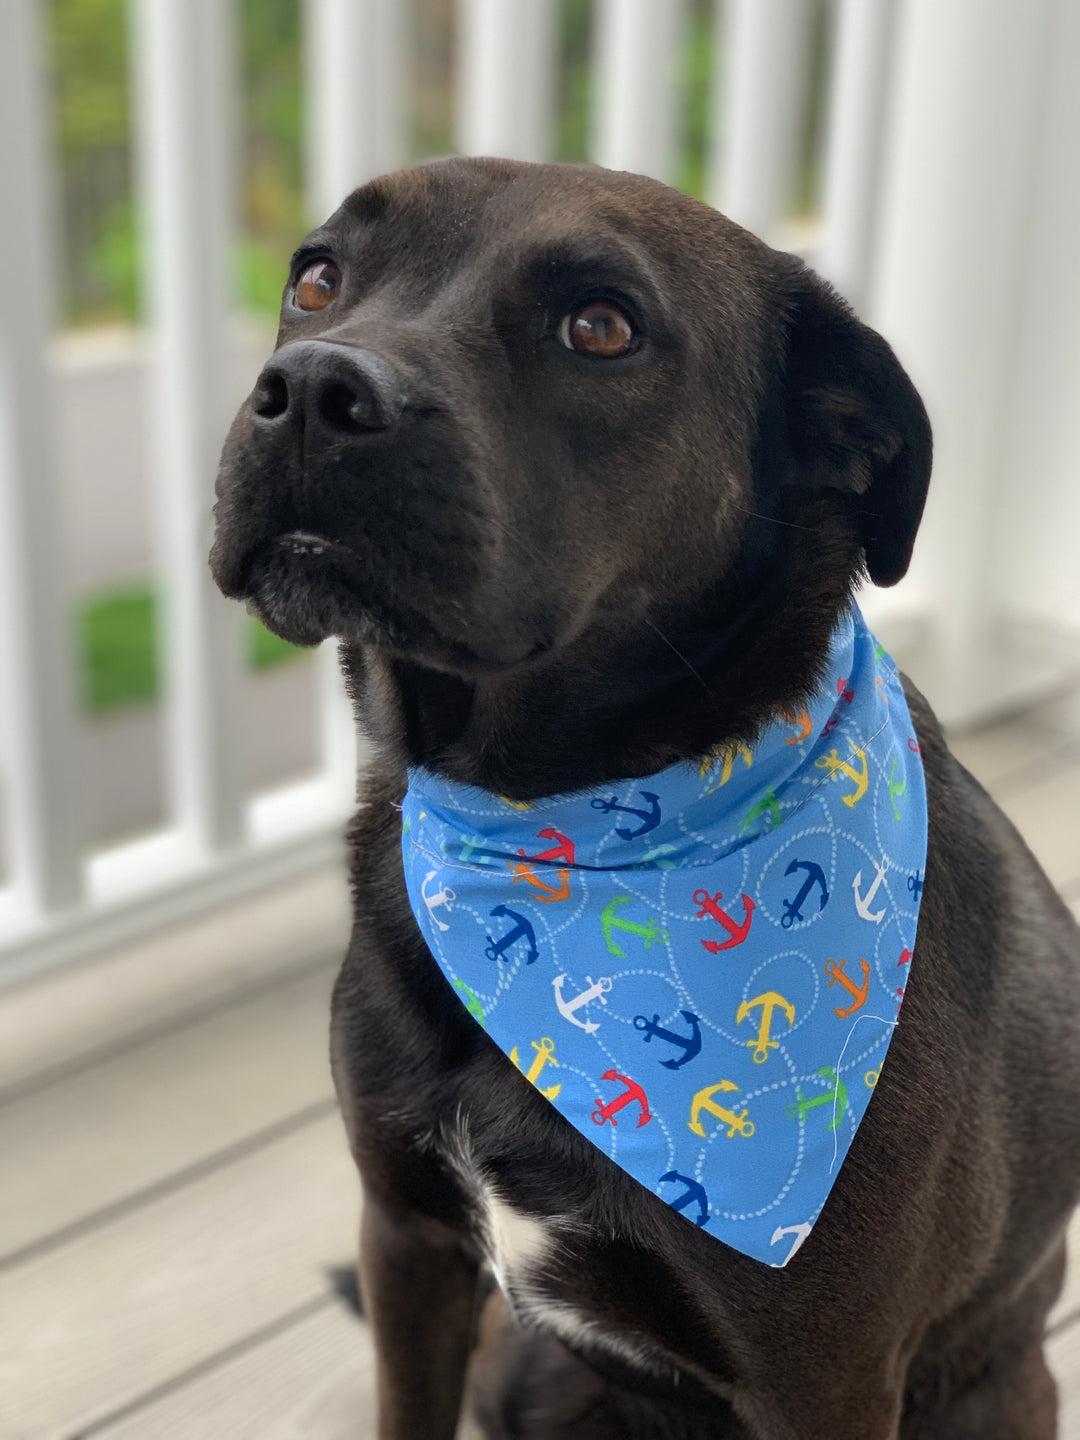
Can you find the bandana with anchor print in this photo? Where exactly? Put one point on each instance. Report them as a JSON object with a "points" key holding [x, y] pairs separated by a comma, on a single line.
{"points": [[700, 970]]}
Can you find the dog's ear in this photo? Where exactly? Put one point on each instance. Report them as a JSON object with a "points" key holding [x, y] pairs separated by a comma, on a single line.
{"points": [[855, 423]]}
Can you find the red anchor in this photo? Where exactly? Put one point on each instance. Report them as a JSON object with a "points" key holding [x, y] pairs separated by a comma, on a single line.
{"points": [[905, 957], [633, 1091], [900, 992], [737, 933], [844, 690], [913, 746], [564, 850]]}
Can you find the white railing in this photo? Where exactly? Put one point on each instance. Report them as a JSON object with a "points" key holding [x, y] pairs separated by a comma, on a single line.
{"points": [[948, 218]]}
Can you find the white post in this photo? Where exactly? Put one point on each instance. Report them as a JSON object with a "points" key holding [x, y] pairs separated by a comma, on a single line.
{"points": [[635, 78], [858, 94], [354, 113], [185, 83], [40, 781], [759, 101], [354, 89], [952, 255], [1035, 542], [506, 78]]}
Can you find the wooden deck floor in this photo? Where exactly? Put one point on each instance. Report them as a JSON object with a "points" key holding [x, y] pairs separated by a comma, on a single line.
{"points": [[177, 1198]]}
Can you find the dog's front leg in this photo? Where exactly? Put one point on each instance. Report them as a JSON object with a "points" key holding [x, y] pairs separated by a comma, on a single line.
{"points": [[418, 1284], [823, 1406]]}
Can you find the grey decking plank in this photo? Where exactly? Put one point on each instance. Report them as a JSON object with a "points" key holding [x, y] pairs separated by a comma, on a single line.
{"points": [[1047, 814], [1063, 1356], [314, 1381], [90, 1327], [155, 1111], [54, 1024]]}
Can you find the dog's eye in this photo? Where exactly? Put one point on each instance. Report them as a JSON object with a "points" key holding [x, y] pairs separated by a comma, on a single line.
{"points": [[597, 328], [317, 286]]}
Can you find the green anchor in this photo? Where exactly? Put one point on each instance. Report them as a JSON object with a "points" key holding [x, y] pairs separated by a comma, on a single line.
{"points": [[472, 1004], [837, 1093], [895, 790], [473, 847], [406, 827], [767, 805], [879, 651], [610, 921]]}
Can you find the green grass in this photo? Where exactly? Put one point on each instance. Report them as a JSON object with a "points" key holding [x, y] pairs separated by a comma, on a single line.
{"points": [[116, 636]]}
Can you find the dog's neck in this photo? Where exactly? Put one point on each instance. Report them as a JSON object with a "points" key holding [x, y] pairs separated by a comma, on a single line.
{"points": [[628, 698]]}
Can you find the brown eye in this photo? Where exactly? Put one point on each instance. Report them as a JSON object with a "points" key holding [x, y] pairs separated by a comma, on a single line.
{"points": [[317, 286], [597, 328]]}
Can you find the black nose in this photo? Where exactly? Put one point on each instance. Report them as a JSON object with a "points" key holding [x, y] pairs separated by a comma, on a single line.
{"points": [[329, 387]]}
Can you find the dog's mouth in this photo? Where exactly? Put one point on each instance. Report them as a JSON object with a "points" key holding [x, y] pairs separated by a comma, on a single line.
{"points": [[311, 545], [306, 585]]}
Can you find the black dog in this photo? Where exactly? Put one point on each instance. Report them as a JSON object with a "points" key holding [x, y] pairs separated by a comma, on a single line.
{"points": [[584, 475]]}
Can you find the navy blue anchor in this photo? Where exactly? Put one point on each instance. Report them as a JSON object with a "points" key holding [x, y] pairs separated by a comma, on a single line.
{"points": [[690, 1044], [694, 1191], [814, 876], [522, 930], [649, 818], [915, 884]]}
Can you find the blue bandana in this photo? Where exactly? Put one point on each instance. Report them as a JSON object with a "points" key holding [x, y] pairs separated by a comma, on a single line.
{"points": [[700, 970]]}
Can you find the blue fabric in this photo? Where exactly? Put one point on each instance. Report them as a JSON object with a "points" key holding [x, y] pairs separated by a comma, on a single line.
{"points": [[700, 970]]}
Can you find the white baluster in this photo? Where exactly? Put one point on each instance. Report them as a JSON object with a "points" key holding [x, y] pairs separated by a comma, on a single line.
{"points": [[758, 108], [39, 774], [506, 78], [636, 83], [185, 85]]}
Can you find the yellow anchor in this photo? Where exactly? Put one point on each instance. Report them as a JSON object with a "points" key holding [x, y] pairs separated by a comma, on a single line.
{"points": [[834, 765], [761, 1044], [703, 1101], [522, 870], [545, 1052], [516, 804], [728, 754]]}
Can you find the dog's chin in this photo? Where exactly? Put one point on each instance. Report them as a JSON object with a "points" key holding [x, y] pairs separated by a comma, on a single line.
{"points": [[306, 588]]}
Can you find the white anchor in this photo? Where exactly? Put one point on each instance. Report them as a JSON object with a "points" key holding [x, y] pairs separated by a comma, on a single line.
{"points": [[444, 896], [799, 1231], [863, 902], [597, 991]]}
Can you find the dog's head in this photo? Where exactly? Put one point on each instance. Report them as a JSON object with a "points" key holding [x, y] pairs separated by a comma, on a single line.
{"points": [[530, 428]]}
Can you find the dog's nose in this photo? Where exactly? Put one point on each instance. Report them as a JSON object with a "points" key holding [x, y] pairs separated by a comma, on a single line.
{"points": [[329, 387]]}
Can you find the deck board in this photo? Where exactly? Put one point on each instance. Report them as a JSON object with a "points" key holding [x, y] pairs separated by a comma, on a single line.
{"points": [[72, 1016], [147, 1114], [312, 1382], [91, 1326]]}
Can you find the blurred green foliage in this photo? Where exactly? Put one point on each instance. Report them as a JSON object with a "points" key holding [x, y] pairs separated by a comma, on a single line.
{"points": [[89, 55], [117, 647], [88, 43]]}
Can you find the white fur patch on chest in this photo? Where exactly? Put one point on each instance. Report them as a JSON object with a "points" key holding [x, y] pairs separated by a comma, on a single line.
{"points": [[518, 1244]]}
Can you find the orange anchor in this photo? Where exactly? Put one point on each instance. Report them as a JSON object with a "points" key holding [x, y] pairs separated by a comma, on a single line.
{"points": [[805, 724], [836, 973], [761, 1044], [549, 894]]}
